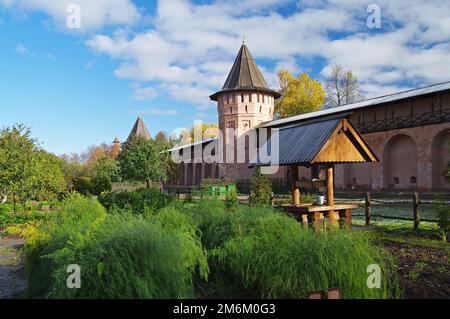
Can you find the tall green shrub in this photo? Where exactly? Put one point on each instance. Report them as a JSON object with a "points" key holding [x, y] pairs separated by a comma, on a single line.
{"points": [[120, 255], [137, 201], [261, 252], [260, 189]]}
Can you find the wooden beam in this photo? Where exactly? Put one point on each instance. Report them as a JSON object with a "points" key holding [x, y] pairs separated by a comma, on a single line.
{"points": [[330, 186], [295, 190]]}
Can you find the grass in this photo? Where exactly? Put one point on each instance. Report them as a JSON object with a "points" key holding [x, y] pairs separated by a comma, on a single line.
{"points": [[396, 210], [403, 232]]}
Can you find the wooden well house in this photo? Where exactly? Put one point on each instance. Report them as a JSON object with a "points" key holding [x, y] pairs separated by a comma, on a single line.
{"points": [[322, 142]]}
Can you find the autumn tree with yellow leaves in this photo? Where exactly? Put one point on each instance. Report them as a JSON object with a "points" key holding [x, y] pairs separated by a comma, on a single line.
{"points": [[299, 95]]}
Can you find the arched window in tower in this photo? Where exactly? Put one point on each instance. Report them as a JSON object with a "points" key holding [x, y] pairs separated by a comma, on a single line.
{"points": [[231, 109], [250, 97], [246, 109], [228, 99], [260, 109], [258, 96], [242, 98]]}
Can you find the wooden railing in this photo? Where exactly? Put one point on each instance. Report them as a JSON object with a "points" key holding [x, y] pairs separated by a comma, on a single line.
{"points": [[414, 120]]}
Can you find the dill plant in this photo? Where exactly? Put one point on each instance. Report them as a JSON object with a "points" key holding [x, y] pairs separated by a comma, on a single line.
{"points": [[120, 255], [263, 252]]}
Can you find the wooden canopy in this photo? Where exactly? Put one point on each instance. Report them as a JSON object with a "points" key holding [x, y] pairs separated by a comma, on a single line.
{"points": [[322, 142], [328, 141], [345, 145]]}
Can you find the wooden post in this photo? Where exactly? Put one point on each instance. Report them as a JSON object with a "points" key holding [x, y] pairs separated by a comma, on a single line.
{"points": [[305, 221], [332, 217], [330, 186], [368, 209], [416, 209], [295, 189]]}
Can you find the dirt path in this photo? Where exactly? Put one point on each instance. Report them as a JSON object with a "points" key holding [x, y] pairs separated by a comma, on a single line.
{"points": [[12, 281]]}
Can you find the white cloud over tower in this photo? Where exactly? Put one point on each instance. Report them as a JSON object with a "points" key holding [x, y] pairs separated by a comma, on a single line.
{"points": [[185, 49]]}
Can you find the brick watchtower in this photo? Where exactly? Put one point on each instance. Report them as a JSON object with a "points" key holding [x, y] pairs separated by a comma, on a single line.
{"points": [[244, 102]]}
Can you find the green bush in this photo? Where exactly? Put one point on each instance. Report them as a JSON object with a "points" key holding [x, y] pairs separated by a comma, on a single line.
{"points": [[260, 189], [231, 199], [137, 201], [120, 255], [264, 253], [443, 216]]}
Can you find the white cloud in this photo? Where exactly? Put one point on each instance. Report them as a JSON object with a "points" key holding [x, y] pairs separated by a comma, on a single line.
{"points": [[157, 112], [143, 93], [188, 48], [94, 14], [22, 49]]}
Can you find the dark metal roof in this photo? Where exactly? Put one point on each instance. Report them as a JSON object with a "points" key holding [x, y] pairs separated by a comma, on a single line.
{"points": [[373, 102], [139, 130], [245, 76], [301, 143]]}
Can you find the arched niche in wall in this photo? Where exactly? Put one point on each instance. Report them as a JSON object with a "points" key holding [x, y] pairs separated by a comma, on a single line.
{"points": [[399, 162]]}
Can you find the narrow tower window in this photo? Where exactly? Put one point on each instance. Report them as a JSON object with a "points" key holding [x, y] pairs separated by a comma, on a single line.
{"points": [[242, 98], [246, 109], [260, 109], [250, 97]]}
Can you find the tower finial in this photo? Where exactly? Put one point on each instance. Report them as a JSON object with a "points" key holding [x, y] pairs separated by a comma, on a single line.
{"points": [[244, 40]]}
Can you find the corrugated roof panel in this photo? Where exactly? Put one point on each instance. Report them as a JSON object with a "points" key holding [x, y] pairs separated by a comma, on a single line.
{"points": [[362, 104], [300, 144]]}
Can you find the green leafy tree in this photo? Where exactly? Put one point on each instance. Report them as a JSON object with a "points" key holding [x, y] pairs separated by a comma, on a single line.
{"points": [[260, 189], [105, 172], [16, 154], [298, 95], [27, 172], [143, 161], [47, 180]]}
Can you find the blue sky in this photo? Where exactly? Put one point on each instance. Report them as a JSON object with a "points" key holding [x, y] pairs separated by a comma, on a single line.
{"points": [[162, 60]]}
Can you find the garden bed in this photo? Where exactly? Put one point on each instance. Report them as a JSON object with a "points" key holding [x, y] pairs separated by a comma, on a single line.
{"points": [[423, 271]]}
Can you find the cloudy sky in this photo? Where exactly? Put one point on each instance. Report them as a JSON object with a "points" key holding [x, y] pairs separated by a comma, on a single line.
{"points": [[162, 59]]}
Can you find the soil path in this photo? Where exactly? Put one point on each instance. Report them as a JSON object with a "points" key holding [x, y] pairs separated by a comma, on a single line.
{"points": [[12, 281]]}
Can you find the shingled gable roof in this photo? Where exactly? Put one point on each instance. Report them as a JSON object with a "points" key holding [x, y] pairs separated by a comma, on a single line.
{"points": [[331, 140], [245, 76], [139, 130]]}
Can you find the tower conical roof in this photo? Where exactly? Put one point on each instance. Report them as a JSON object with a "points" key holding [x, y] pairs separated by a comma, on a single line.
{"points": [[139, 130], [245, 76]]}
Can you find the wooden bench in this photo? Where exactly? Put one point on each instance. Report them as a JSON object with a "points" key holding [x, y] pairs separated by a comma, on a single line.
{"points": [[318, 212]]}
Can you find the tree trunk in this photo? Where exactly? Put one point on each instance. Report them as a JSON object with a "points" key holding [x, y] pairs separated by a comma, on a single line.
{"points": [[148, 183]]}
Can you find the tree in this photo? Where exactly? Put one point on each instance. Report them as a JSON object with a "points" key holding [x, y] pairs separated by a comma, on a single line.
{"points": [[260, 189], [104, 173], [161, 137], [47, 178], [16, 154], [95, 152], [143, 161], [342, 87], [27, 172], [186, 136], [298, 95]]}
